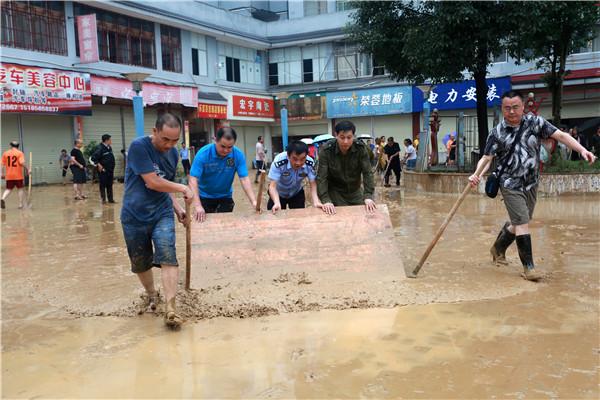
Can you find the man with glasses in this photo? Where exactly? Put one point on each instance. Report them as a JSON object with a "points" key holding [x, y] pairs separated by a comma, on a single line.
{"points": [[520, 164], [213, 170]]}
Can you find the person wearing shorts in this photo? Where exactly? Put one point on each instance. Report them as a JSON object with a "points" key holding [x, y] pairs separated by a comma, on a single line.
{"points": [[147, 214], [78, 170], [516, 141], [13, 162], [64, 160]]}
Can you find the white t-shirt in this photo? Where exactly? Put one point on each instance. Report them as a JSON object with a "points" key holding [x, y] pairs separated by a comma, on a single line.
{"points": [[412, 153], [260, 151]]}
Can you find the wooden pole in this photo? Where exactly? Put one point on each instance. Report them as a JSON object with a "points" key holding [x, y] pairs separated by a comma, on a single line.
{"points": [[188, 246], [30, 179], [442, 228], [261, 187]]}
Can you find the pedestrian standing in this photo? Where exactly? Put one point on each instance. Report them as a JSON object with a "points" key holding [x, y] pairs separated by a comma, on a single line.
{"points": [[104, 159], [184, 153], [260, 157], [13, 162], [78, 170], [410, 158], [596, 142], [516, 142], [344, 176], [64, 161], [147, 215], [392, 152]]}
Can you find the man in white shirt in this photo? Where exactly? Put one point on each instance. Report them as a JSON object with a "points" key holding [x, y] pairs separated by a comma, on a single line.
{"points": [[260, 157], [410, 158]]}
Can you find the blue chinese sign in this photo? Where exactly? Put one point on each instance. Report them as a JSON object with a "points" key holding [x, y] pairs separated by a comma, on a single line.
{"points": [[451, 96], [380, 101]]}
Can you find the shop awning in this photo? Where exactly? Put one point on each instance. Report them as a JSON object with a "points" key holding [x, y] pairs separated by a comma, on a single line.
{"points": [[211, 97]]}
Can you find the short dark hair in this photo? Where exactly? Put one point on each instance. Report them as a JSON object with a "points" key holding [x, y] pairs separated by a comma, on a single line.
{"points": [[260, 137], [390, 138], [297, 147], [63, 151], [512, 93], [226, 132], [407, 140], [344, 126], [168, 119], [14, 144], [105, 137]]}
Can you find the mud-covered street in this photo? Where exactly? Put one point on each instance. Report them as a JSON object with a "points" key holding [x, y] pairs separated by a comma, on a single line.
{"points": [[464, 329]]}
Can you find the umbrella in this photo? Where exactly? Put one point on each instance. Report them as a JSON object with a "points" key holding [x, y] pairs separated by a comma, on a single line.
{"points": [[447, 137], [365, 136], [322, 138], [308, 141]]}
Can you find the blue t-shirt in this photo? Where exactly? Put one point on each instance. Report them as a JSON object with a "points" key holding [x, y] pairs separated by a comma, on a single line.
{"points": [[215, 173], [289, 181], [140, 204], [185, 154]]}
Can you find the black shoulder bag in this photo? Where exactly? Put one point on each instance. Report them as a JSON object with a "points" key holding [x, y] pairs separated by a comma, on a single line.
{"points": [[493, 181]]}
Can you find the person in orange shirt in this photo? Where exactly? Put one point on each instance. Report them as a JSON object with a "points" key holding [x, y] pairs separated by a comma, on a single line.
{"points": [[13, 162]]}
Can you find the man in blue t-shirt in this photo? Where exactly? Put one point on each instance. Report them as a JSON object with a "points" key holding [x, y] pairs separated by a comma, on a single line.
{"points": [[287, 175], [147, 213], [213, 170]]}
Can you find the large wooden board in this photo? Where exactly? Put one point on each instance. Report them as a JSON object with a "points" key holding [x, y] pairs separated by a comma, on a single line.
{"points": [[348, 246]]}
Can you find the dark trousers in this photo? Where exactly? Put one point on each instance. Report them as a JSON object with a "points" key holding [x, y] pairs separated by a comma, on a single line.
{"points": [[186, 166], [296, 201], [106, 184], [259, 165], [222, 205], [396, 168]]}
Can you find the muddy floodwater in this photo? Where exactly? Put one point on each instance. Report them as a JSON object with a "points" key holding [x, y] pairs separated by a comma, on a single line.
{"points": [[464, 329]]}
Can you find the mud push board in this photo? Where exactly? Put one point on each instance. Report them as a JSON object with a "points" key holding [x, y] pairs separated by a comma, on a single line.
{"points": [[350, 246]]}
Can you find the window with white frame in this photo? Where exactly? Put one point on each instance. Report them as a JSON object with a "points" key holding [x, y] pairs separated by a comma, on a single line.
{"points": [[350, 62], [592, 45], [239, 64], [199, 58], [314, 7]]}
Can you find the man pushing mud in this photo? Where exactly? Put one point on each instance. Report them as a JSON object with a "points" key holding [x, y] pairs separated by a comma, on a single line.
{"points": [[516, 142], [147, 213]]}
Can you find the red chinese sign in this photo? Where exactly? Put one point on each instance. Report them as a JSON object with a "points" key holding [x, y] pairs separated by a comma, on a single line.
{"points": [[88, 38], [37, 90], [213, 111], [247, 106], [153, 93]]}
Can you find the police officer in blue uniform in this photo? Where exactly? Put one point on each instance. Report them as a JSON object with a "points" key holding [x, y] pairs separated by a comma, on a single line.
{"points": [[287, 175]]}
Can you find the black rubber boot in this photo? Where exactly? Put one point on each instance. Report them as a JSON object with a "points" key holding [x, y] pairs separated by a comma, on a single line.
{"points": [[503, 242], [526, 256]]}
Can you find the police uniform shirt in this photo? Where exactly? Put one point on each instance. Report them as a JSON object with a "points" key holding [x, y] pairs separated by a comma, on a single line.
{"points": [[289, 180]]}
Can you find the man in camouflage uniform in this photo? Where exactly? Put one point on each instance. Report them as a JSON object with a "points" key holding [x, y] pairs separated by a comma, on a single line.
{"points": [[343, 163]]}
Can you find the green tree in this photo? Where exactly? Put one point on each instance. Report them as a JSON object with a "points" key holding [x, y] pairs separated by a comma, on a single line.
{"points": [[553, 31], [435, 40]]}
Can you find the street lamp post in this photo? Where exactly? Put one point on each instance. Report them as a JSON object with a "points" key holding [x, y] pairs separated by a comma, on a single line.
{"points": [[284, 117], [424, 134], [136, 79]]}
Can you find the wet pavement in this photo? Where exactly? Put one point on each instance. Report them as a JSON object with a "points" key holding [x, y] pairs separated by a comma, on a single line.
{"points": [[463, 329]]}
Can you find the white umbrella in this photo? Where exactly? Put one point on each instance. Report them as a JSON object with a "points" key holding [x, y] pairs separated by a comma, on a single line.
{"points": [[308, 141], [322, 138]]}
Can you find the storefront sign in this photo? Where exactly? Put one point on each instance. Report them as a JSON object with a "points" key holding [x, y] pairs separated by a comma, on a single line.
{"points": [[451, 96], [88, 38], [153, 93], [309, 107], [248, 106], [37, 90], [382, 101], [212, 111]]}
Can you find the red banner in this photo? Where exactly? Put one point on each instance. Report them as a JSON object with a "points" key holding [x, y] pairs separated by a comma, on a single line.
{"points": [[38, 90], [248, 106], [212, 111], [153, 93], [88, 39]]}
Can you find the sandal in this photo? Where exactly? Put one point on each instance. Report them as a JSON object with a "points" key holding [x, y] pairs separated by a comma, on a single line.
{"points": [[172, 319]]}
